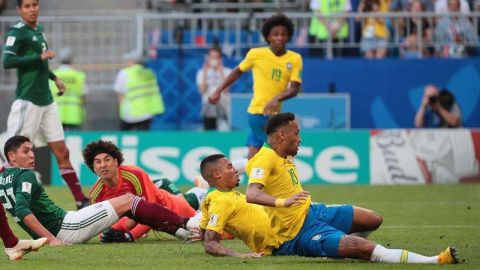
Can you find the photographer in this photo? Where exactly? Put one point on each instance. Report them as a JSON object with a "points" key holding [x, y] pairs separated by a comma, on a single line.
{"points": [[438, 110]]}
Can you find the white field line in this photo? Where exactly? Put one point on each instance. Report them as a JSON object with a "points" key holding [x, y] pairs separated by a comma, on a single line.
{"points": [[430, 227]]}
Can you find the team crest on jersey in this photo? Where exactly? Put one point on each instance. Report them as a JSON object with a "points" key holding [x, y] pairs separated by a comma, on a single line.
{"points": [[34, 38], [289, 66]]}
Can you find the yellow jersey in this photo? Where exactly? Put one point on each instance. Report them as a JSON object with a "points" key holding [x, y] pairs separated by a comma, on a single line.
{"points": [[279, 178], [271, 75], [229, 211]]}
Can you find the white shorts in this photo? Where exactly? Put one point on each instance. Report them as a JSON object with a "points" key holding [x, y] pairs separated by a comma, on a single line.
{"points": [[41, 124], [80, 226]]}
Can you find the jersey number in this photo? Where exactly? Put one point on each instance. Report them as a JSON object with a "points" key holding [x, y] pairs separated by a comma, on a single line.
{"points": [[293, 176], [7, 199], [276, 74]]}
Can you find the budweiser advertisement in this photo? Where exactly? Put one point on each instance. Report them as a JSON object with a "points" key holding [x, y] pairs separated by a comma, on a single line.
{"points": [[424, 156]]}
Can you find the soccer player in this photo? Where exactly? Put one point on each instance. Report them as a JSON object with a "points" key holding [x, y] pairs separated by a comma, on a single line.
{"points": [[26, 200], [277, 76], [105, 159], [226, 209], [15, 249], [33, 113]]}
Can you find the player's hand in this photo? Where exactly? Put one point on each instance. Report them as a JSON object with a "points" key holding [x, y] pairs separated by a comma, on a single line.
{"points": [[48, 54], [251, 255], [297, 199], [214, 98], [271, 107], [57, 242], [60, 86]]}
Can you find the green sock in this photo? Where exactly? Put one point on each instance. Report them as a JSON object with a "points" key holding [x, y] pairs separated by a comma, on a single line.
{"points": [[167, 185], [191, 198]]}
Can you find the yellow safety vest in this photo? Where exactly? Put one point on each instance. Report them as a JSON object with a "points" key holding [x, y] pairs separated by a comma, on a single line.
{"points": [[143, 93], [70, 105], [318, 29]]}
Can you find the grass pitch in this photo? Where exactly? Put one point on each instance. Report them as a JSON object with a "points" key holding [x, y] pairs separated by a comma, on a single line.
{"points": [[422, 219]]}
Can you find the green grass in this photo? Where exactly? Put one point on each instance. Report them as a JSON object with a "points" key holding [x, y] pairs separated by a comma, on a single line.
{"points": [[422, 219]]}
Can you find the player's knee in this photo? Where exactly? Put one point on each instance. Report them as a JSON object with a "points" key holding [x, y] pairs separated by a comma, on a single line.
{"points": [[62, 153], [377, 220]]}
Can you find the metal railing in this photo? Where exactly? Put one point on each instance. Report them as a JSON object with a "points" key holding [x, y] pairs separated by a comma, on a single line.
{"points": [[99, 42]]}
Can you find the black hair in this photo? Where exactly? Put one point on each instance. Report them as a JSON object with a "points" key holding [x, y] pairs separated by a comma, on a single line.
{"points": [[13, 144], [277, 121], [276, 20], [98, 147], [206, 162], [446, 99], [20, 2]]}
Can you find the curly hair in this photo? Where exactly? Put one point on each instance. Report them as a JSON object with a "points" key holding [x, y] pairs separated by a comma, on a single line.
{"points": [[98, 147], [276, 20]]}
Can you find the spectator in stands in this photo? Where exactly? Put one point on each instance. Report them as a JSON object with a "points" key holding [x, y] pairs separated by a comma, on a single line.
{"points": [[438, 110], [71, 105], [454, 33], [374, 31], [323, 28], [406, 5], [138, 94], [2, 5], [416, 30], [443, 6], [209, 77]]}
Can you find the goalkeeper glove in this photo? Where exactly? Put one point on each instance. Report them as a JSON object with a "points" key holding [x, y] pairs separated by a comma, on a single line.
{"points": [[111, 235]]}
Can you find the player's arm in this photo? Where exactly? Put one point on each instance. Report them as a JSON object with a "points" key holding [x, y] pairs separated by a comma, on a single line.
{"points": [[231, 78], [33, 224], [214, 247], [255, 194], [11, 57]]}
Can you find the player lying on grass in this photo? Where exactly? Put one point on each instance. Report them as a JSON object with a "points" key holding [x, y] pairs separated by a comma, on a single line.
{"points": [[105, 159], [26, 200], [226, 209]]}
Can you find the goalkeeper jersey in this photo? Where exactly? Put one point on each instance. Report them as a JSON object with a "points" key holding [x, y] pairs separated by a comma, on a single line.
{"points": [[134, 180], [21, 194], [22, 49]]}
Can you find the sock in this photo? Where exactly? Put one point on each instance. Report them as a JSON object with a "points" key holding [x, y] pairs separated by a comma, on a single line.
{"points": [[9, 239], [240, 165], [167, 185], [382, 254], [157, 216], [195, 197], [70, 177], [121, 225], [139, 230]]}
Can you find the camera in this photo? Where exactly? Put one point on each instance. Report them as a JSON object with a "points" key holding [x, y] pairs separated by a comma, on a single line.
{"points": [[432, 99]]}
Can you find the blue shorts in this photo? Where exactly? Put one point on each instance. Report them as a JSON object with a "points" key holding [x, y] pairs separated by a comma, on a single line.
{"points": [[321, 232], [257, 135]]}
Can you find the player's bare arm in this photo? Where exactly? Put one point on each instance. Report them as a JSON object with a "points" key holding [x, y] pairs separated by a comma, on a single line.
{"points": [[214, 247], [32, 222], [231, 78], [292, 91], [48, 54], [256, 195]]}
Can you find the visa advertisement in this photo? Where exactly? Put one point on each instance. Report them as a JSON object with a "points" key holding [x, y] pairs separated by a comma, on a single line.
{"points": [[323, 158]]}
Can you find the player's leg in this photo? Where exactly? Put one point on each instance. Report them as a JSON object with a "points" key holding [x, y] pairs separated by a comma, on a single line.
{"points": [[365, 221], [257, 136], [349, 219], [9, 239], [152, 214], [360, 248], [52, 130], [195, 196]]}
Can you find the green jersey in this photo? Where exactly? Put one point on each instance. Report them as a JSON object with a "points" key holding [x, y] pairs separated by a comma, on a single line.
{"points": [[21, 194], [22, 51]]}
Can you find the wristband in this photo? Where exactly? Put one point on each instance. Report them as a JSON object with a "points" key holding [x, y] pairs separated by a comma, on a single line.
{"points": [[280, 203]]}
